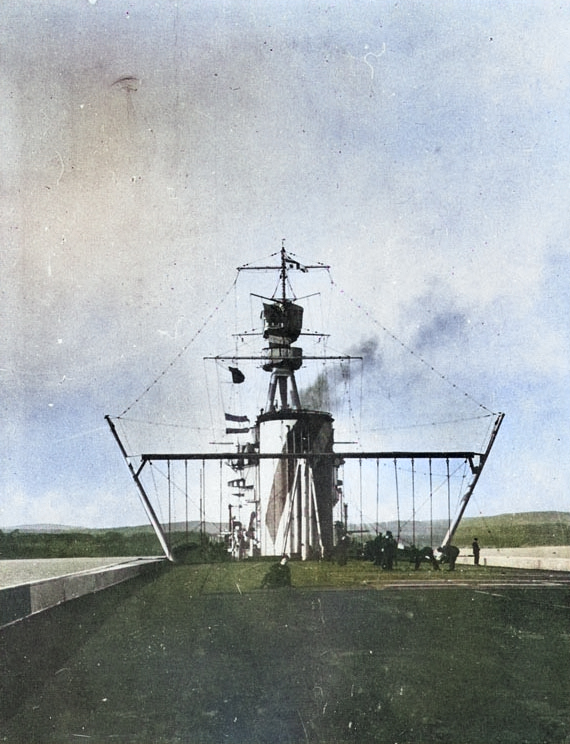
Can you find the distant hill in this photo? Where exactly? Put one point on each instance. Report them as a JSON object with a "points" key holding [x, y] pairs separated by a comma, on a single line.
{"points": [[518, 529], [53, 529], [511, 530], [210, 528], [535, 516]]}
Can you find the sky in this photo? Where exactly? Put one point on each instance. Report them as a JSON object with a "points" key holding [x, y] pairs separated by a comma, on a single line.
{"points": [[421, 149]]}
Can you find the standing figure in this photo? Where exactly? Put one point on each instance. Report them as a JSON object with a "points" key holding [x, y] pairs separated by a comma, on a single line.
{"points": [[476, 550], [390, 549]]}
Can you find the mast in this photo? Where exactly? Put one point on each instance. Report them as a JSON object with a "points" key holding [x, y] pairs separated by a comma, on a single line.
{"points": [[283, 272], [282, 325], [289, 463]]}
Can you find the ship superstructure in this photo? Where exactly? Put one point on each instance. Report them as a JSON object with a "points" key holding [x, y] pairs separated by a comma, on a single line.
{"points": [[285, 466], [297, 490]]}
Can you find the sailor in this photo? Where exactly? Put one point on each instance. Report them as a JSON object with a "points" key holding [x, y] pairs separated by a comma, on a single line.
{"points": [[476, 550], [449, 555], [389, 551], [278, 575], [376, 549], [341, 550], [424, 554], [428, 555]]}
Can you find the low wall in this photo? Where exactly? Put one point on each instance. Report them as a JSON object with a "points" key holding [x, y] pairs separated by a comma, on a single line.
{"points": [[547, 558], [18, 602]]}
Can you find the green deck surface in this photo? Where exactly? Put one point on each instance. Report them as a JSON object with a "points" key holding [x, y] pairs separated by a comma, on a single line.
{"points": [[201, 654]]}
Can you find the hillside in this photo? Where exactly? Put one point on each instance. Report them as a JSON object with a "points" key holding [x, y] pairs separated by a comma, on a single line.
{"points": [[515, 530]]}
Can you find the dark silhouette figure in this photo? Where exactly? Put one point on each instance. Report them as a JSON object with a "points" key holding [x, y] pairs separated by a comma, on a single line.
{"points": [[278, 575], [449, 555], [341, 550], [390, 547], [420, 555], [476, 550], [374, 550]]}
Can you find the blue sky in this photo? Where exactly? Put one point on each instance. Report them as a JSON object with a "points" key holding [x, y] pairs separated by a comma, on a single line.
{"points": [[420, 148]]}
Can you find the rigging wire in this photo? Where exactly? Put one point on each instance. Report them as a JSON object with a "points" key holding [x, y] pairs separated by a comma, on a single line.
{"points": [[413, 504], [433, 491], [126, 438], [169, 500], [360, 399], [155, 469], [346, 377], [181, 352], [462, 484], [210, 408], [397, 498], [442, 423], [430, 504], [377, 491], [221, 494], [201, 502], [360, 494], [485, 522], [487, 436], [448, 496], [351, 416], [186, 498], [405, 346], [152, 470], [159, 423], [263, 258]]}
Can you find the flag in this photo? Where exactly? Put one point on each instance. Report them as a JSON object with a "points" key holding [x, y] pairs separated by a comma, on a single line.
{"points": [[239, 483], [291, 264], [237, 375], [237, 419]]}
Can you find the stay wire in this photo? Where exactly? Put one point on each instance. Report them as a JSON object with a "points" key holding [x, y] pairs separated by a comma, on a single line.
{"points": [[181, 352], [433, 491], [485, 522], [411, 351], [174, 484]]}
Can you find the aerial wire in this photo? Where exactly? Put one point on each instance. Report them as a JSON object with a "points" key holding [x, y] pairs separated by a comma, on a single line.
{"points": [[181, 352], [405, 346]]}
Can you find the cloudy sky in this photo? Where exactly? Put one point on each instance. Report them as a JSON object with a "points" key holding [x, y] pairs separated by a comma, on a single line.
{"points": [[422, 149]]}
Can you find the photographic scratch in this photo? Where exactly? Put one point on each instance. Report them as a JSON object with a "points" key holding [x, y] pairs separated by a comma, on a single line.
{"points": [[376, 56], [365, 58], [62, 164]]}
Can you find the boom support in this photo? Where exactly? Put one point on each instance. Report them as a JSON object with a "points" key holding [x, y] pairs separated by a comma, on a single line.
{"points": [[476, 471], [144, 498]]}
